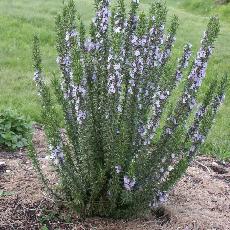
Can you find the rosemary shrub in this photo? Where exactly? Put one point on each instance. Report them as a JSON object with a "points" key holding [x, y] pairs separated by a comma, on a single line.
{"points": [[115, 82]]}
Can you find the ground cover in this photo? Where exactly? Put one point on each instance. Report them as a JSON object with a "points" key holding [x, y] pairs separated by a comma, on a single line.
{"points": [[201, 200]]}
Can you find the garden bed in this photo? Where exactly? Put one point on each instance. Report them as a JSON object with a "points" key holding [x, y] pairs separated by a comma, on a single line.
{"points": [[201, 200]]}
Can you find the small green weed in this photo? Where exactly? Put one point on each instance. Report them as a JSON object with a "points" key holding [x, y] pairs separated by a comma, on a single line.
{"points": [[13, 130]]}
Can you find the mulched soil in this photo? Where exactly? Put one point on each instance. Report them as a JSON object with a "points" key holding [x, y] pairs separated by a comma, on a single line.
{"points": [[201, 200]]}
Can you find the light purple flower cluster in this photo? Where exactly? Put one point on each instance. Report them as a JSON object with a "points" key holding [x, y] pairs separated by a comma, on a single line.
{"points": [[137, 66], [218, 101], [81, 116], [183, 62], [65, 60], [188, 99], [69, 36], [118, 169], [56, 155], [199, 69], [38, 81], [168, 48], [101, 20], [194, 132], [129, 183], [161, 97], [156, 39], [159, 199], [89, 45], [197, 137], [115, 74], [153, 122], [73, 93], [162, 197], [65, 64], [120, 23], [37, 76]]}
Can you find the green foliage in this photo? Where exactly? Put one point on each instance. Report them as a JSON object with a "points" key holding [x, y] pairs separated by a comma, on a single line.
{"points": [[5, 193], [14, 129], [47, 216], [113, 89]]}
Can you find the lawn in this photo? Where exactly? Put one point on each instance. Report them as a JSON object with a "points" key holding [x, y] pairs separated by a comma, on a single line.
{"points": [[20, 19], [208, 7]]}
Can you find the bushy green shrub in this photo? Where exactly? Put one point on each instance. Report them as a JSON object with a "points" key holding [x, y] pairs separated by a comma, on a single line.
{"points": [[112, 159], [222, 1], [14, 129]]}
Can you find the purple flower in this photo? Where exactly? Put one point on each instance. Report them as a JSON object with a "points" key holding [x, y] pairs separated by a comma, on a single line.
{"points": [[118, 169], [111, 89], [141, 130], [162, 197], [137, 53], [134, 39], [70, 34], [200, 113], [102, 18], [192, 103], [178, 75], [117, 66], [82, 90], [65, 62], [157, 104], [168, 131], [129, 183], [57, 155], [36, 75], [81, 116], [198, 137], [117, 30], [132, 82], [130, 91], [143, 41], [162, 96], [89, 45]]}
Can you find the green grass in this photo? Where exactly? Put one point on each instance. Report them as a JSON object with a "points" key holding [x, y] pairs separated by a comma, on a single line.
{"points": [[20, 19], [208, 7]]}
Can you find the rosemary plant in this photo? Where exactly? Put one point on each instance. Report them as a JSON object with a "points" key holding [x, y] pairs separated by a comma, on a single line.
{"points": [[114, 85]]}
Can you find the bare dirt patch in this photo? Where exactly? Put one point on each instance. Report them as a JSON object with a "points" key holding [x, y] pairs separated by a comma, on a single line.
{"points": [[201, 200]]}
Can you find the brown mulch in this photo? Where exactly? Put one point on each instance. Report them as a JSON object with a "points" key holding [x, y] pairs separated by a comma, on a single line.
{"points": [[201, 200]]}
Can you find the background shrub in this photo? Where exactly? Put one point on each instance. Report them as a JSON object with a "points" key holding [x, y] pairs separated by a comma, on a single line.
{"points": [[222, 1], [221, 8], [14, 129], [117, 155]]}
